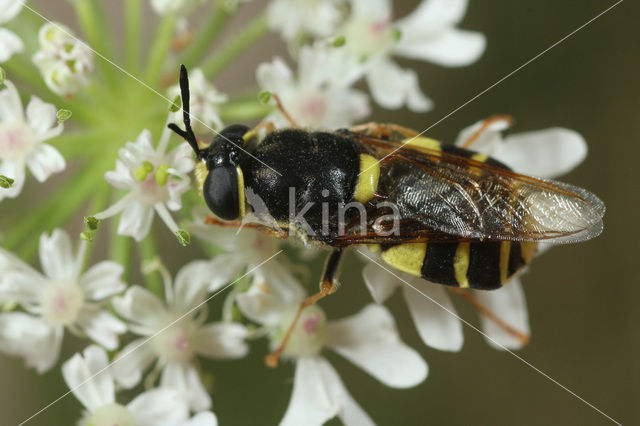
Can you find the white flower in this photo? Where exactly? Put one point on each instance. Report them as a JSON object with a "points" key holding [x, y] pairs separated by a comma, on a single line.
{"points": [[369, 339], [428, 34], [21, 140], [175, 348], [205, 99], [95, 389], [320, 95], [155, 181], [10, 43], [173, 7], [64, 61], [545, 153], [61, 298], [297, 18]]}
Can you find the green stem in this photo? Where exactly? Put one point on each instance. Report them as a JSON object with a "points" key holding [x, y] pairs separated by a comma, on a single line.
{"points": [[237, 45], [212, 25], [239, 111], [133, 22], [147, 250], [60, 206], [120, 249], [98, 36], [99, 202], [158, 53]]}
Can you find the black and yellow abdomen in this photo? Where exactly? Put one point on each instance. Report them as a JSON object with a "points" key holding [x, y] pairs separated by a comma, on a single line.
{"points": [[484, 265]]}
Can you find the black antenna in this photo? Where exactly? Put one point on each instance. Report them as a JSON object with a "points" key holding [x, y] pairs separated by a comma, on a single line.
{"points": [[186, 117]]}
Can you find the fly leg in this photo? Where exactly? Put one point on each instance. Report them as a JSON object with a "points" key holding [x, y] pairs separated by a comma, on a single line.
{"points": [[522, 337], [279, 233], [384, 130], [328, 285], [484, 126]]}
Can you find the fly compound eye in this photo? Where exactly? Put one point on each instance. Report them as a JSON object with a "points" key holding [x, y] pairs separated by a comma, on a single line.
{"points": [[224, 192]]}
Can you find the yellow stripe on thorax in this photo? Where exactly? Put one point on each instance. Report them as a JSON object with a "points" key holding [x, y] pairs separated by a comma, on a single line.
{"points": [[201, 173], [461, 264], [367, 178], [407, 257], [241, 200]]}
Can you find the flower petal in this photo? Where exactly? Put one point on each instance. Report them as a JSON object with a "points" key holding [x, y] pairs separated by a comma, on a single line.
{"points": [[275, 76], [546, 153], [140, 306], [120, 178], [311, 403], [319, 395], [205, 418], [23, 286], [225, 268], [10, 104], [159, 407], [30, 338], [9, 9], [191, 285], [101, 326], [435, 319], [15, 171], [184, 378], [381, 285], [439, 12], [41, 116], [102, 280], [85, 377], [370, 340], [274, 289], [56, 255], [509, 304], [136, 220], [45, 160], [489, 140], [10, 44], [132, 361], [392, 86], [222, 340], [450, 47]]}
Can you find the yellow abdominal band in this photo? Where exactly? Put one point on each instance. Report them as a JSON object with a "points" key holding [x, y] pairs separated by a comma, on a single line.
{"points": [[367, 179]]}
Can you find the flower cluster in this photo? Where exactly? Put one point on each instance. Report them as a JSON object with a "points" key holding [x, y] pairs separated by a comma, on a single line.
{"points": [[146, 345]]}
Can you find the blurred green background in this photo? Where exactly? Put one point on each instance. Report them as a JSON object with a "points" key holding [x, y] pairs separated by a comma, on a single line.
{"points": [[584, 299]]}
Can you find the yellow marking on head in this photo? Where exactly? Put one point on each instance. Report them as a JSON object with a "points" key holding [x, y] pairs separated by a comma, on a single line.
{"points": [[241, 200], [461, 264], [374, 248], [505, 251], [422, 142], [367, 179], [528, 249], [407, 257], [201, 173]]}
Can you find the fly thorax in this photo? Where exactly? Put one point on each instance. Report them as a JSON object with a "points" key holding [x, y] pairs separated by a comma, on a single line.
{"points": [[62, 302], [110, 415], [309, 335]]}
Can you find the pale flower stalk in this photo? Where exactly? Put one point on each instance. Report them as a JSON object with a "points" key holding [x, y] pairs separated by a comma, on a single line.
{"points": [[22, 137], [93, 385], [61, 298], [178, 333], [154, 181]]}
